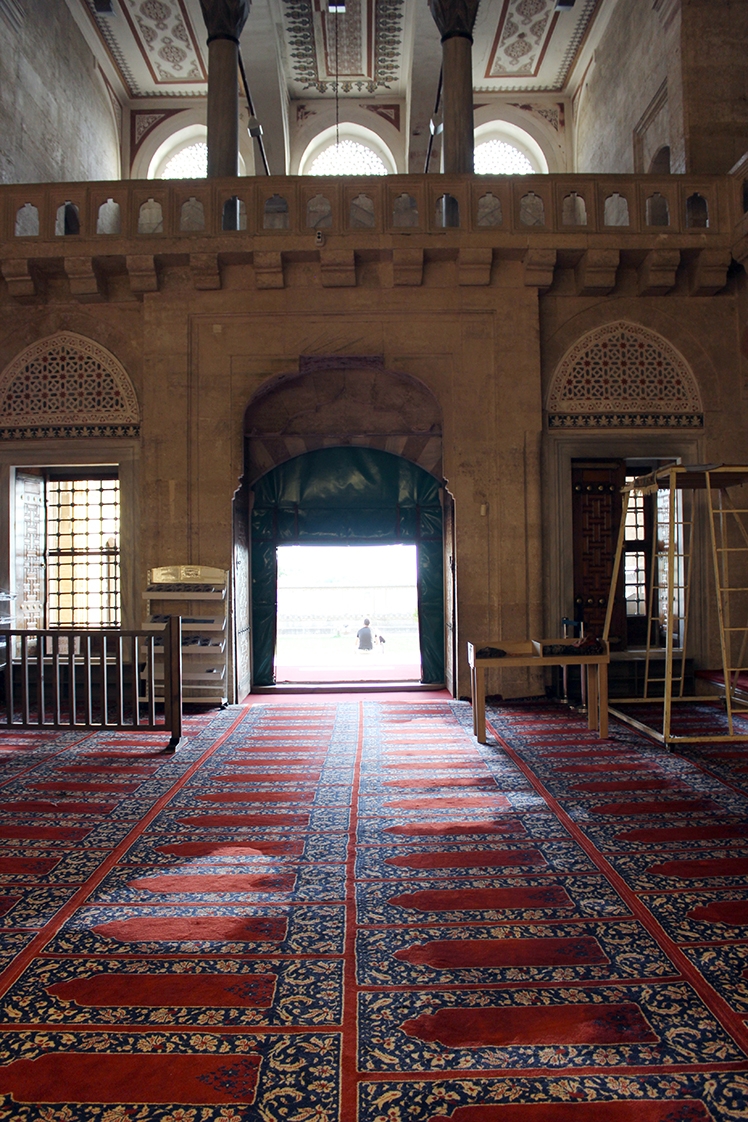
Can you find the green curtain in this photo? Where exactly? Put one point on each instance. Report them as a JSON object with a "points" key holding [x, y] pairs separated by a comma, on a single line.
{"points": [[361, 496]]}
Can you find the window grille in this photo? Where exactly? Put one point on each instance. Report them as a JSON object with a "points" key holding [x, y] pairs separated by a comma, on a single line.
{"points": [[83, 553]]}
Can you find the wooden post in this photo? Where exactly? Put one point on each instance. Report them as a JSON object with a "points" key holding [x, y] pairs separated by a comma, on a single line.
{"points": [[455, 22], [224, 20], [173, 680]]}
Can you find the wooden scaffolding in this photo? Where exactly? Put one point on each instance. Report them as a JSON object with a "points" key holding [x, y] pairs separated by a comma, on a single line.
{"points": [[677, 490]]}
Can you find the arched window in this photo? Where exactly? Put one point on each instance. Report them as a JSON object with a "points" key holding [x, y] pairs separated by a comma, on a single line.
{"points": [[150, 218], [109, 219], [350, 149], [362, 212], [192, 216], [447, 211], [27, 221], [497, 157], [319, 213], [573, 210], [275, 213], [697, 210], [190, 162], [531, 210], [658, 212], [347, 158], [405, 211], [502, 148], [624, 375], [616, 212], [489, 210], [234, 216], [68, 220]]}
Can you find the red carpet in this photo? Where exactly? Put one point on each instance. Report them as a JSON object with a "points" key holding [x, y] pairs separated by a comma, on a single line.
{"points": [[348, 911]]}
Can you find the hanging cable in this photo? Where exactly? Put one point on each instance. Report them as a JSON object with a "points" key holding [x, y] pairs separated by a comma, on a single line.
{"points": [[337, 89]]}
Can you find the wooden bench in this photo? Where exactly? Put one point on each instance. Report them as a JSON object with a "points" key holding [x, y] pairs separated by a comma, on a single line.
{"points": [[529, 652]]}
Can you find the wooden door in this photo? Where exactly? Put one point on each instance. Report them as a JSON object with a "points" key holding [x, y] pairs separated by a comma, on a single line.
{"points": [[450, 630], [596, 506]]}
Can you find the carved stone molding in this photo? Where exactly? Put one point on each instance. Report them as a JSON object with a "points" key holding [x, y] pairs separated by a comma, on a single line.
{"points": [[624, 375], [454, 17], [225, 19], [66, 386]]}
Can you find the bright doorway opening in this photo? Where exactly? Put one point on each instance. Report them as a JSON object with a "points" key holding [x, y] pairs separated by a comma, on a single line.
{"points": [[325, 592]]}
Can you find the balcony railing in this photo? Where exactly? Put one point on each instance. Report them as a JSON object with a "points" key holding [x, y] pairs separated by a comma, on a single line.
{"points": [[276, 208]]}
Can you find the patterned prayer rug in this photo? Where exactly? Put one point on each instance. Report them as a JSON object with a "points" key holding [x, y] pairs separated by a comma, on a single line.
{"points": [[349, 911]]}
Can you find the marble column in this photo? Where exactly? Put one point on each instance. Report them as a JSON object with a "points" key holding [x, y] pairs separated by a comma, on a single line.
{"points": [[224, 20], [455, 20]]}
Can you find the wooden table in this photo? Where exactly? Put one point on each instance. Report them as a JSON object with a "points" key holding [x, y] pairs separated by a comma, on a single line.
{"points": [[529, 652]]}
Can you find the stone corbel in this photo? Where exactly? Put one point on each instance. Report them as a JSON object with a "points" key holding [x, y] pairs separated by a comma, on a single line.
{"points": [[474, 266], [539, 265], [268, 269], [707, 271], [141, 269], [84, 283], [407, 267], [206, 274], [595, 273], [337, 268], [657, 272], [19, 278]]}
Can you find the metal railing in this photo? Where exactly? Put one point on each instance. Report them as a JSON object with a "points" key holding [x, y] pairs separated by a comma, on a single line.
{"points": [[102, 680]]}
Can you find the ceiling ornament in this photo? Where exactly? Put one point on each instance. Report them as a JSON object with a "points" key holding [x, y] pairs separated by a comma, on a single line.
{"points": [[456, 17], [524, 29], [154, 46], [369, 45], [534, 45], [553, 114], [166, 40], [142, 124], [223, 18], [389, 113]]}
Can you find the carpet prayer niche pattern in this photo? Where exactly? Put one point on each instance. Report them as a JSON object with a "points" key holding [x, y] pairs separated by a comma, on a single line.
{"points": [[352, 912]]}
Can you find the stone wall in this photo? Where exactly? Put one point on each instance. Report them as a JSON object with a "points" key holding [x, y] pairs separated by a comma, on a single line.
{"points": [[715, 41], [622, 84], [56, 119]]}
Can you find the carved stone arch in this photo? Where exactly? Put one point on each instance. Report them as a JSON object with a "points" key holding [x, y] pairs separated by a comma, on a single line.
{"points": [[335, 401], [624, 375], [66, 386]]}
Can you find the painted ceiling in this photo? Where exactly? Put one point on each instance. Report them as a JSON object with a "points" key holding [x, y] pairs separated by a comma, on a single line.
{"points": [[158, 46]]}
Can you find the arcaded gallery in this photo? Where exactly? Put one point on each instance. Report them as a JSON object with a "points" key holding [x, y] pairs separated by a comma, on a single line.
{"points": [[373, 560]]}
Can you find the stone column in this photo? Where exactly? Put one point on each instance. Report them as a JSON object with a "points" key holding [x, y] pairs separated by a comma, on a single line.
{"points": [[224, 20], [455, 20]]}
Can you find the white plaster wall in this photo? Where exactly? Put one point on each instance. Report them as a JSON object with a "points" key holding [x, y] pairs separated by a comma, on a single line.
{"points": [[630, 64], [56, 119]]}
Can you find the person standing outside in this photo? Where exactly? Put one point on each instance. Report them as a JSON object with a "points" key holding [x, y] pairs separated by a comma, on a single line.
{"points": [[364, 637]]}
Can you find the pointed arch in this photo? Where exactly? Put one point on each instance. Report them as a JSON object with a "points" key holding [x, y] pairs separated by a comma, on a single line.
{"points": [[624, 375], [66, 386]]}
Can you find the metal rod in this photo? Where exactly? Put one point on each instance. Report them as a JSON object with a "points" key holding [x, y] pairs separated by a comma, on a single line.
{"points": [[251, 109], [56, 716], [437, 102]]}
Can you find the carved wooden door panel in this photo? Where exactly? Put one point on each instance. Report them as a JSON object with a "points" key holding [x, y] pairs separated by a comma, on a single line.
{"points": [[596, 506], [30, 543], [240, 581]]}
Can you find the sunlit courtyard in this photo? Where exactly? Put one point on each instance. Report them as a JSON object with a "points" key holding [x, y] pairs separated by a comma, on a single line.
{"points": [[325, 593]]}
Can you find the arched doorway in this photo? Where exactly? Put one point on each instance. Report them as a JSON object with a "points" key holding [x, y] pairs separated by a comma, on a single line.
{"points": [[347, 495]]}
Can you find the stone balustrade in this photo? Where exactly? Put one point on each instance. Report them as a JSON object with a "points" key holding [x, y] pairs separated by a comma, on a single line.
{"points": [[90, 232]]}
